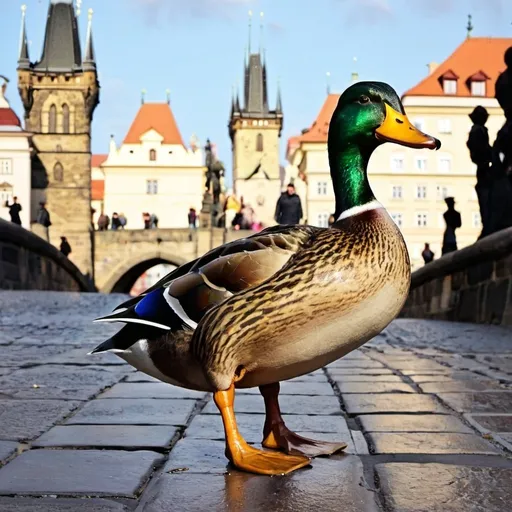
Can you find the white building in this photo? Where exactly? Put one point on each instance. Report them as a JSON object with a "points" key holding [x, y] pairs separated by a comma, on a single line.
{"points": [[152, 171], [15, 174]]}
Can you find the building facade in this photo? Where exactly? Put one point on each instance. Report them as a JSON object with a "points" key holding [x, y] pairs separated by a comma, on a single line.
{"points": [[255, 131], [59, 93], [412, 184], [151, 171], [14, 162]]}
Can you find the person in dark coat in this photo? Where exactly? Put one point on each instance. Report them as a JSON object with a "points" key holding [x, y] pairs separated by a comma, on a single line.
{"points": [[480, 153], [14, 210], [43, 218], [427, 254], [289, 207], [453, 222], [65, 248]]}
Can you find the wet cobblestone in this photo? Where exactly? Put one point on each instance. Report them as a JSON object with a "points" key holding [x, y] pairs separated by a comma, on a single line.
{"points": [[95, 435]]}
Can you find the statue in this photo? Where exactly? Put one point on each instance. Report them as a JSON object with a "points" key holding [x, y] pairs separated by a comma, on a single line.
{"points": [[453, 221], [214, 173], [500, 196]]}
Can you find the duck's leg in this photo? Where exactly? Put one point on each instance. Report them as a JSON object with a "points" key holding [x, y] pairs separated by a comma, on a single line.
{"points": [[276, 434], [246, 457]]}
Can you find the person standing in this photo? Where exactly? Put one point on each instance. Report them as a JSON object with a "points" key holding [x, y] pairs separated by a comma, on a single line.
{"points": [[288, 207], [14, 210], [122, 220], [480, 153], [192, 223], [43, 218], [453, 222], [65, 248], [103, 222], [116, 223], [427, 254]]}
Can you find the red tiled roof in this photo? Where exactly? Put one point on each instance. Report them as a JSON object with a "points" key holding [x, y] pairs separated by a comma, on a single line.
{"points": [[97, 160], [9, 118], [156, 116], [320, 127], [476, 54], [97, 190]]}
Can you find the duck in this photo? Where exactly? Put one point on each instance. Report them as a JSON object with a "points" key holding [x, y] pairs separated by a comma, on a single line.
{"points": [[285, 301]]}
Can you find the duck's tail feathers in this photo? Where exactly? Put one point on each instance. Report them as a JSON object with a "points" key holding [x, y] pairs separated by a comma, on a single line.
{"points": [[123, 339], [130, 316]]}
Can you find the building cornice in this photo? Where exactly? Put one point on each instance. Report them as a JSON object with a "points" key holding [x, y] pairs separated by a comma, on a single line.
{"points": [[449, 101]]}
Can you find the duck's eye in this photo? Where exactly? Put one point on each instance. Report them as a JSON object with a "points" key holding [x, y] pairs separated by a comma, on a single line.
{"points": [[364, 99]]}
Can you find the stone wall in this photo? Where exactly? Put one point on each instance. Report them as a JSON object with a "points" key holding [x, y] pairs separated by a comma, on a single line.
{"points": [[470, 285], [27, 262]]}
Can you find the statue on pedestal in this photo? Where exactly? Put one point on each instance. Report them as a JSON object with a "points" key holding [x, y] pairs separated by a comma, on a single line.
{"points": [[213, 187]]}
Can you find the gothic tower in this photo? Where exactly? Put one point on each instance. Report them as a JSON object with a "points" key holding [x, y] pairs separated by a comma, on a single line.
{"points": [[59, 93], [255, 130]]}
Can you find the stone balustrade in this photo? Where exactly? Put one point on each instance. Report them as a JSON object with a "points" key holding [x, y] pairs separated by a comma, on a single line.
{"points": [[27, 262], [473, 284]]}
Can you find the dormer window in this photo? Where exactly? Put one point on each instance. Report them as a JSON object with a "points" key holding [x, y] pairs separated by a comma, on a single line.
{"points": [[448, 81], [477, 84]]}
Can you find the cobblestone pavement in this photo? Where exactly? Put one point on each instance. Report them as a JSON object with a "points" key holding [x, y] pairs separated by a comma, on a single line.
{"points": [[426, 410]]}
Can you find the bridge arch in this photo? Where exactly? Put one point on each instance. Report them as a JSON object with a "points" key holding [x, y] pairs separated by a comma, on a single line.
{"points": [[126, 273]]}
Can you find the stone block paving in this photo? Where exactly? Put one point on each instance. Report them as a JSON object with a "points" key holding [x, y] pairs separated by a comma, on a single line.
{"points": [[425, 409]]}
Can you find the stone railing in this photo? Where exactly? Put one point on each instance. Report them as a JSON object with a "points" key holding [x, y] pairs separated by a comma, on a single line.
{"points": [[27, 262], [470, 285]]}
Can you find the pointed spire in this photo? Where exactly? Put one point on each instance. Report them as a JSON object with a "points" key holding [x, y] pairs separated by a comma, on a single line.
{"points": [[168, 96], [142, 96], [23, 58], [355, 74], [328, 82], [90, 59], [237, 99], [279, 104], [112, 146], [262, 46], [250, 26], [233, 108], [469, 26]]}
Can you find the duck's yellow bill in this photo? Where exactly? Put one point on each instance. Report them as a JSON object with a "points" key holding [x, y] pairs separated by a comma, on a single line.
{"points": [[397, 128]]}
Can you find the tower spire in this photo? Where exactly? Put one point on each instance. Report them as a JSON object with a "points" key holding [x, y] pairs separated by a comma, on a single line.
{"points": [[262, 46], [355, 74], [89, 60], [279, 104], [23, 58], [469, 26], [250, 27], [328, 82]]}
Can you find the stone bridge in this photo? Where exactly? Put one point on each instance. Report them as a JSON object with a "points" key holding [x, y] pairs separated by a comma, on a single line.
{"points": [[120, 257]]}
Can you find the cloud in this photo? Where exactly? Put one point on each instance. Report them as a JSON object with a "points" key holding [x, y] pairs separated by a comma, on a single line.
{"points": [[153, 9], [367, 11], [275, 28]]}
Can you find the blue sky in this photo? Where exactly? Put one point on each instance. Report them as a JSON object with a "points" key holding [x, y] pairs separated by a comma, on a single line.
{"points": [[195, 48]]}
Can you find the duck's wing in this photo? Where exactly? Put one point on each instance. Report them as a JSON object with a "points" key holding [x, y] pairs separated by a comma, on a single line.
{"points": [[187, 293]]}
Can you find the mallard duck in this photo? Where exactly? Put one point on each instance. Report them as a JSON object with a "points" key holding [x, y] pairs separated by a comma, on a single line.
{"points": [[285, 301]]}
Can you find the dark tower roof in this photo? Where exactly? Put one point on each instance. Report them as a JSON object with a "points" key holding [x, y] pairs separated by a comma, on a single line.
{"points": [[61, 49], [23, 58], [254, 86]]}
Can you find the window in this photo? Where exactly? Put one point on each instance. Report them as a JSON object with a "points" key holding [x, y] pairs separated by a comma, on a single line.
{"points": [[5, 166], [477, 220], [421, 220], [397, 163], [321, 188], [450, 86], [397, 192], [5, 193], [259, 142], [445, 126], [445, 164], [420, 124], [421, 192], [421, 163], [397, 219], [151, 186], [152, 155], [323, 220], [58, 172], [52, 119], [478, 89], [65, 118], [442, 192]]}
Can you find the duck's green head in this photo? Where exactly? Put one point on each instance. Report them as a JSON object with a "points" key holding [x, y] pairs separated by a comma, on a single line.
{"points": [[367, 115], [370, 113]]}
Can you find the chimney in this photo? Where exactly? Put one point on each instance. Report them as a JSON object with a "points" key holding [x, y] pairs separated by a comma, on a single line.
{"points": [[432, 66]]}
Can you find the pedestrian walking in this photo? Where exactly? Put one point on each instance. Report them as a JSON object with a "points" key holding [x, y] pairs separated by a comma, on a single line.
{"points": [[427, 254], [14, 210], [288, 207], [65, 248], [43, 218]]}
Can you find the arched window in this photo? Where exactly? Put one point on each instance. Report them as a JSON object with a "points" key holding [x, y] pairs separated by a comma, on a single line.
{"points": [[259, 142], [65, 118], [58, 172], [152, 155], [52, 119]]}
